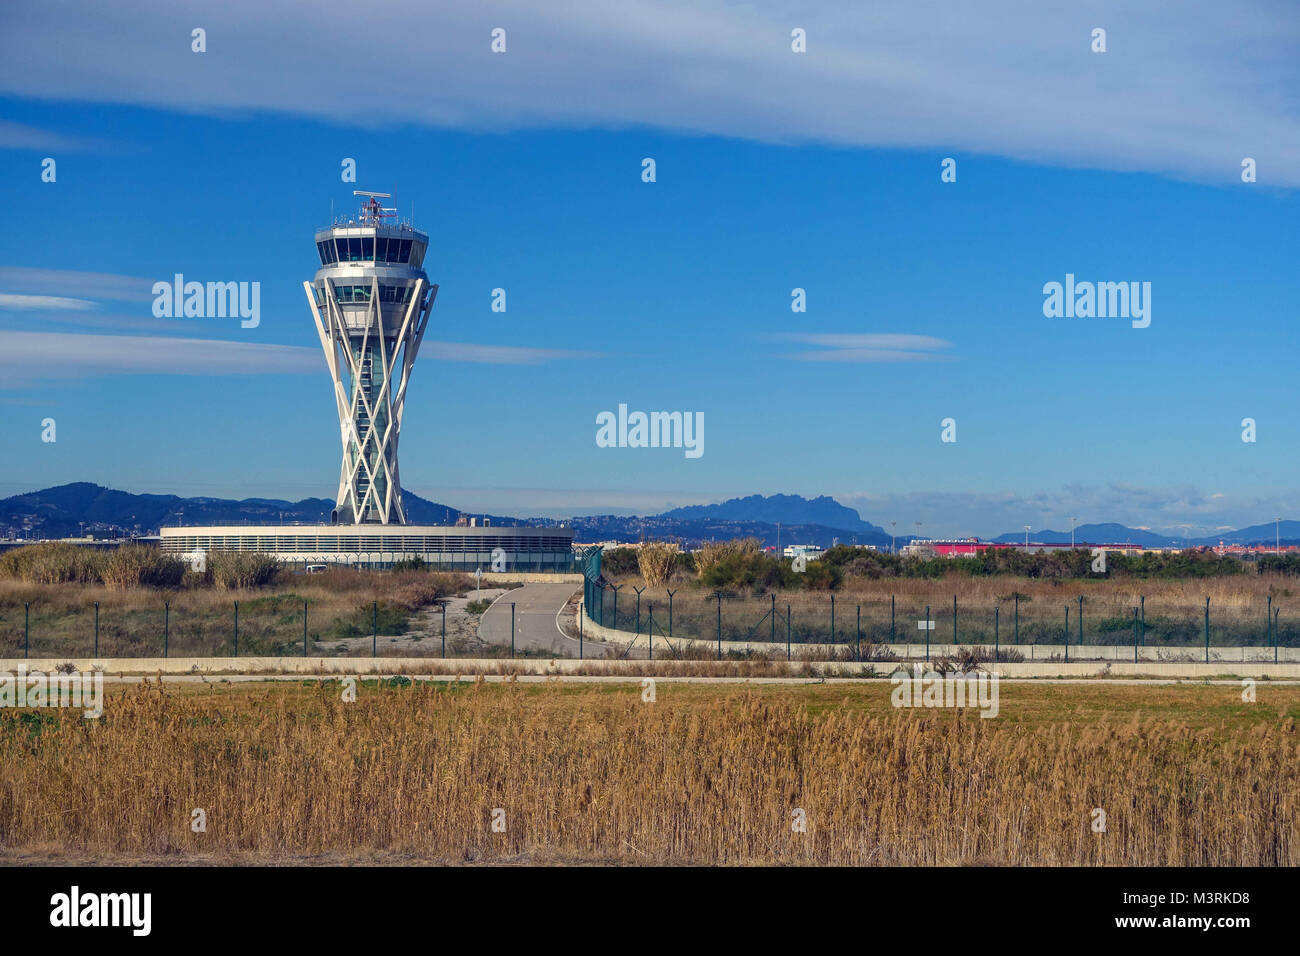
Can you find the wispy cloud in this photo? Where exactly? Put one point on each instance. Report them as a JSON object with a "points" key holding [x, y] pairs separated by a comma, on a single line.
{"points": [[41, 355], [1187, 91], [53, 302], [497, 354], [1178, 510], [19, 136], [27, 356], [66, 282], [866, 347]]}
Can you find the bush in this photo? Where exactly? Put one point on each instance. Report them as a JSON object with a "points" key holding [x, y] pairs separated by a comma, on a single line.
{"points": [[52, 562], [736, 551], [138, 565], [234, 570], [656, 560], [618, 563]]}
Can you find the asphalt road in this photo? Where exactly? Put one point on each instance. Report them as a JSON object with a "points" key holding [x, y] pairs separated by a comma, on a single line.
{"points": [[536, 606]]}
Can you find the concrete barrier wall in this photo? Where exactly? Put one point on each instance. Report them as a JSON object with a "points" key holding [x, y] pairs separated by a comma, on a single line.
{"points": [[216, 667], [1112, 652], [528, 577]]}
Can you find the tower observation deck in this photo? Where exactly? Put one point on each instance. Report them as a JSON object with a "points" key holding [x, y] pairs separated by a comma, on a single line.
{"points": [[371, 301]]}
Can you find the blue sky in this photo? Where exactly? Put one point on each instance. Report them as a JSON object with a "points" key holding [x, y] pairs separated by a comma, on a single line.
{"points": [[672, 295]]}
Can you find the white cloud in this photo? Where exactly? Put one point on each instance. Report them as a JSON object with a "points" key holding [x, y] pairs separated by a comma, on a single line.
{"points": [[30, 356], [40, 355], [1174, 511], [866, 347], [1187, 90], [496, 354], [53, 302], [93, 285], [18, 136]]}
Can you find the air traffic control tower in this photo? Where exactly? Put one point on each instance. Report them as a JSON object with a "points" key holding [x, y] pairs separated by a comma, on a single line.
{"points": [[371, 300]]}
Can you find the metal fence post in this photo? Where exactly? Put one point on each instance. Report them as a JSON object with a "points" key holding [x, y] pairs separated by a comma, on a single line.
{"points": [[1268, 615], [1142, 611], [1207, 630], [650, 629], [27, 631], [1067, 634], [927, 632], [581, 615], [304, 628], [771, 624], [718, 595], [857, 654], [1135, 634], [891, 619], [670, 612], [96, 628], [444, 627], [1081, 620], [512, 623], [787, 633], [954, 620], [638, 607], [236, 628], [374, 630], [996, 609], [1017, 638], [167, 613], [1276, 633], [832, 618]]}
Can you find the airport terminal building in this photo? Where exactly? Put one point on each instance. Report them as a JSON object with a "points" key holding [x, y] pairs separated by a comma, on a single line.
{"points": [[380, 546]]}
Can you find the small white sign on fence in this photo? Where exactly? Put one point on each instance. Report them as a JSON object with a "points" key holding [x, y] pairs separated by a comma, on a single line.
{"points": [[925, 625]]}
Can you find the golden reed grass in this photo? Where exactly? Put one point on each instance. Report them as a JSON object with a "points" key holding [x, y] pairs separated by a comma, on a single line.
{"points": [[590, 774]]}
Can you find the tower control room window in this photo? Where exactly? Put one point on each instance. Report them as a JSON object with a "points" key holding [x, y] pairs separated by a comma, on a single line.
{"points": [[367, 249], [381, 249], [405, 254], [417, 255]]}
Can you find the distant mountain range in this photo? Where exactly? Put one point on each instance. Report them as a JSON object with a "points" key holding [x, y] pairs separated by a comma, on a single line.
{"points": [[1094, 534], [83, 507], [1119, 534], [786, 509]]}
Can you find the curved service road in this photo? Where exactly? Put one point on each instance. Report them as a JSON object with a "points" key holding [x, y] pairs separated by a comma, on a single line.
{"points": [[536, 629]]}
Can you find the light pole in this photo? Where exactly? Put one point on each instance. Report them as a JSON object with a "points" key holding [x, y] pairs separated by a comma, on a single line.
{"points": [[893, 537], [1026, 538], [1277, 530], [1072, 521]]}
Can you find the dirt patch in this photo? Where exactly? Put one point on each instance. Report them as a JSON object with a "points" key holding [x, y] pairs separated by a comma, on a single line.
{"points": [[425, 635]]}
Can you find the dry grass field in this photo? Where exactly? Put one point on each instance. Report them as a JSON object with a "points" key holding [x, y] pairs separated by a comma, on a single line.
{"points": [[411, 772], [200, 621]]}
